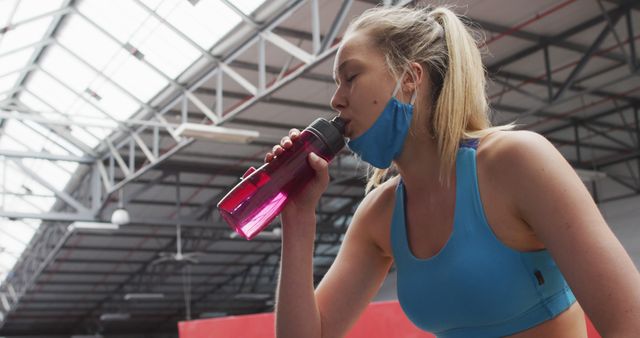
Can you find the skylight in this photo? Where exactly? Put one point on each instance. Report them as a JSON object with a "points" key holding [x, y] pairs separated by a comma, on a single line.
{"points": [[31, 8], [205, 23], [57, 145], [136, 77], [6, 82], [14, 61], [106, 62], [24, 34], [51, 92]]}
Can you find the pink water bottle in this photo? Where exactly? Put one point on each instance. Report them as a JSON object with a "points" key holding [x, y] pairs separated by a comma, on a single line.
{"points": [[252, 204]]}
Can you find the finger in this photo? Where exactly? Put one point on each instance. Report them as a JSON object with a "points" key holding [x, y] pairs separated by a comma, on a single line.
{"points": [[277, 150], [285, 142], [294, 133], [268, 157], [318, 163]]}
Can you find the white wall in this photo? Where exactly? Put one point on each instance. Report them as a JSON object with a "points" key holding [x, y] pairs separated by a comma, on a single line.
{"points": [[623, 217], [388, 289]]}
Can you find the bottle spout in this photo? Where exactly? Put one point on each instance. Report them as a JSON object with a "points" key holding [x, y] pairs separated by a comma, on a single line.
{"points": [[339, 123]]}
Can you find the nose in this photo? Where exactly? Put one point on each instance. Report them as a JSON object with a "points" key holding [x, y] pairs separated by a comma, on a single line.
{"points": [[338, 101]]}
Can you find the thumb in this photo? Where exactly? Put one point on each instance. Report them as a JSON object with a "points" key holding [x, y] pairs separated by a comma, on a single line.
{"points": [[317, 163]]}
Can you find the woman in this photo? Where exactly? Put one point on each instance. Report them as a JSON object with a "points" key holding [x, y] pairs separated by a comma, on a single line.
{"points": [[492, 232]]}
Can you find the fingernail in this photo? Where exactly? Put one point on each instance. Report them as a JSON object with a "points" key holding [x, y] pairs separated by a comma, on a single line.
{"points": [[314, 157]]}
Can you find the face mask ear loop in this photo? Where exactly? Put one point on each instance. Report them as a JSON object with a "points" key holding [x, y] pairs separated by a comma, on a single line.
{"points": [[413, 98], [397, 88], [415, 92]]}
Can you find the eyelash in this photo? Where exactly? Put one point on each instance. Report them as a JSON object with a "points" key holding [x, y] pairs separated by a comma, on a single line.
{"points": [[351, 78]]}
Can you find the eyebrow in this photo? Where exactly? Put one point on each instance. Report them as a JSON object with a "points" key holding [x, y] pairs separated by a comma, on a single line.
{"points": [[341, 67]]}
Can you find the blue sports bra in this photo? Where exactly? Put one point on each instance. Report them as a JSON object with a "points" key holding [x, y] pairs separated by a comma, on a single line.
{"points": [[475, 286]]}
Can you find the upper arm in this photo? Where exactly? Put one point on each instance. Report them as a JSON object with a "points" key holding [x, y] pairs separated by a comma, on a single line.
{"points": [[357, 272], [550, 197]]}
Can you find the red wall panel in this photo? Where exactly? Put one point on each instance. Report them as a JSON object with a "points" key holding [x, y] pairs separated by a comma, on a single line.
{"points": [[381, 319]]}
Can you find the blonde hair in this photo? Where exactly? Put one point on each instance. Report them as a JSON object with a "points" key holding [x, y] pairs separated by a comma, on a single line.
{"points": [[439, 41]]}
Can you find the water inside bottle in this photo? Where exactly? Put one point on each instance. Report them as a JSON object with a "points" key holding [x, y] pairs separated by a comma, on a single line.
{"points": [[250, 214], [263, 215]]}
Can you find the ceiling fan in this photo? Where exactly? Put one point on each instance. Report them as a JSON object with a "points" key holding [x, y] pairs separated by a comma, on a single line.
{"points": [[178, 256], [184, 259]]}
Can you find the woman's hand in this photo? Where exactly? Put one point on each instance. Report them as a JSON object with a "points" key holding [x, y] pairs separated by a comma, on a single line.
{"points": [[304, 203]]}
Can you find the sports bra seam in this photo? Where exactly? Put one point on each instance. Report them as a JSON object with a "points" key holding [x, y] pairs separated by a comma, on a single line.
{"points": [[541, 302], [410, 255], [400, 229], [533, 284]]}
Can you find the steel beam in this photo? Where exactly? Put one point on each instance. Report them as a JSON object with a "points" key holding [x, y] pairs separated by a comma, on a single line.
{"points": [[586, 57], [606, 161], [198, 83], [173, 82], [53, 127], [556, 84], [38, 44], [606, 135], [230, 58], [495, 67], [632, 41], [271, 100], [336, 25], [145, 182], [115, 155], [61, 194], [38, 256], [612, 26], [268, 91], [545, 41], [636, 120], [58, 14], [506, 84], [536, 110], [242, 15], [144, 105], [46, 156]]}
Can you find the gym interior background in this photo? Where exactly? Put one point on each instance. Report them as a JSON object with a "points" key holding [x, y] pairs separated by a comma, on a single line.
{"points": [[122, 123]]}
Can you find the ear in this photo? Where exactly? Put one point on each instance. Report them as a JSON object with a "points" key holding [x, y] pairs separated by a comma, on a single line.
{"points": [[413, 78]]}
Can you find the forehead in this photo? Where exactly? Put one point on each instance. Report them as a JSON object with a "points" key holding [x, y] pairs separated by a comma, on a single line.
{"points": [[357, 46]]}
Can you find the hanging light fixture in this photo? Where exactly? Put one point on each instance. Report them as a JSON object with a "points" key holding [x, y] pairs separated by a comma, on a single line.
{"points": [[216, 133], [120, 216]]}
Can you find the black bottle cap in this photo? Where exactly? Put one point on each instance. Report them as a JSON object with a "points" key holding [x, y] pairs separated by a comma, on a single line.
{"points": [[331, 132]]}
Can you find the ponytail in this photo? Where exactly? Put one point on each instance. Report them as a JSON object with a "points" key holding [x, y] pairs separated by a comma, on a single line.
{"points": [[461, 107], [439, 40]]}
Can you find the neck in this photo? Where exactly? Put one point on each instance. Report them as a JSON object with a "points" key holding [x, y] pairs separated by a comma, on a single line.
{"points": [[419, 163]]}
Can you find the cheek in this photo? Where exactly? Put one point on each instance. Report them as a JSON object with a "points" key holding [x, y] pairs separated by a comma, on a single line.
{"points": [[365, 114], [367, 102]]}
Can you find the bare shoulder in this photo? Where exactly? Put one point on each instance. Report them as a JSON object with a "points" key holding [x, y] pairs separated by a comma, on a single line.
{"points": [[375, 212], [503, 147], [506, 156], [523, 164], [381, 196]]}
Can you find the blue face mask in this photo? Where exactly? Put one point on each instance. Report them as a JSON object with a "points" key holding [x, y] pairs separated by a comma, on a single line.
{"points": [[383, 141]]}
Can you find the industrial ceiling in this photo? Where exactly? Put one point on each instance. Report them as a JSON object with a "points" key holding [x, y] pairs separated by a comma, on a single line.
{"points": [[92, 94]]}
